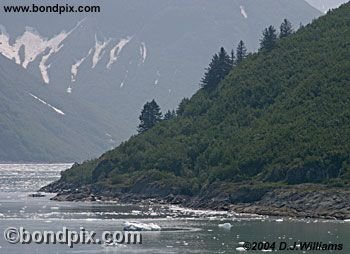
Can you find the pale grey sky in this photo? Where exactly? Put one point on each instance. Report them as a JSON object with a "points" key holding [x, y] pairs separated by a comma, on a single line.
{"points": [[325, 5]]}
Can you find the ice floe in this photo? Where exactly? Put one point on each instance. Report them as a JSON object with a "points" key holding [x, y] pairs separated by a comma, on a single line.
{"points": [[138, 226], [240, 249], [226, 225]]}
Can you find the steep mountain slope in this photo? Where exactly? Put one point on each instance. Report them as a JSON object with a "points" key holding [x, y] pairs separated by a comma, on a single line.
{"points": [[325, 5], [279, 118], [135, 51], [38, 126]]}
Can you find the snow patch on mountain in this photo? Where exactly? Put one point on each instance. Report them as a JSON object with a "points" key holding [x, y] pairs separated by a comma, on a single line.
{"points": [[156, 82], [243, 12], [58, 111], [99, 51], [125, 78], [116, 50], [34, 45], [110, 138], [75, 67], [5, 48], [143, 52], [69, 89], [44, 68]]}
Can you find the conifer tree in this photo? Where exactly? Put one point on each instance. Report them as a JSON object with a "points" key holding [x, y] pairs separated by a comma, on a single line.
{"points": [[241, 52], [233, 58], [269, 39], [219, 67], [286, 28], [225, 63], [150, 116], [181, 108], [170, 115]]}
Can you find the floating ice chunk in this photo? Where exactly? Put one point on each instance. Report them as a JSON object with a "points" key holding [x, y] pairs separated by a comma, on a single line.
{"points": [[240, 249], [226, 225], [91, 219], [138, 226], [115, 245], [279, 220], [347, 220]]}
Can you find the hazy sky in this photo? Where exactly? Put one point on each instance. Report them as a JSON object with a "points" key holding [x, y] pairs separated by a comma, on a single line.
{"points": [[325, 5]]}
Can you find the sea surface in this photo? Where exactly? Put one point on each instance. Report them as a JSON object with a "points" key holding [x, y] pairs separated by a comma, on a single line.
{"points": [[182, 230]]}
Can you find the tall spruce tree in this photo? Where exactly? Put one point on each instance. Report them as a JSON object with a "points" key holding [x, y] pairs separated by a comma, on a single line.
{"points": [[286, 28], [150, 116], [241, 52], [233, 58], [219, 67], [269, 39], [225, 62]]}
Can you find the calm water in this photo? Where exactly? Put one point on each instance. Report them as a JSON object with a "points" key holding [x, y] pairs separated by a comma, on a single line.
{"points": [[184, 230]]}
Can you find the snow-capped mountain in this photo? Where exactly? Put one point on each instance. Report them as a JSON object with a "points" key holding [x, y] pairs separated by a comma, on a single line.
{"points": [[133, 51]]}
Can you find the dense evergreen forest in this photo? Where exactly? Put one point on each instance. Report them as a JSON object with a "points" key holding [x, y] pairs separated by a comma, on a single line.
{"points": [[280, 116]]}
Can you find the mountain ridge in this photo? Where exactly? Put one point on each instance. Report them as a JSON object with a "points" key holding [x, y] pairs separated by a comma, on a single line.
{"points": [[162, 59]]}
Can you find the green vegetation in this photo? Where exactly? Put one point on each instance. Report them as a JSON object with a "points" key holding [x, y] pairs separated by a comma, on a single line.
{"points": [[269, 39], [169, 115], [220, 66], [281, 116], [241, 52], [286, 29], [150, 116]]}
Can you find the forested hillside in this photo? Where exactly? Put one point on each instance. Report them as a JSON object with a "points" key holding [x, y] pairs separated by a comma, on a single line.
{"points": [[280, 117]]}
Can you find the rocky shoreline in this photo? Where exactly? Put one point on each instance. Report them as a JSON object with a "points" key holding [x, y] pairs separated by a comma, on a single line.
{"points": [[303, 201]]}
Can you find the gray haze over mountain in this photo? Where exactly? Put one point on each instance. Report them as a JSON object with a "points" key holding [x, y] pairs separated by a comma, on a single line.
{"points": [[99, 69], [325, 5]]}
